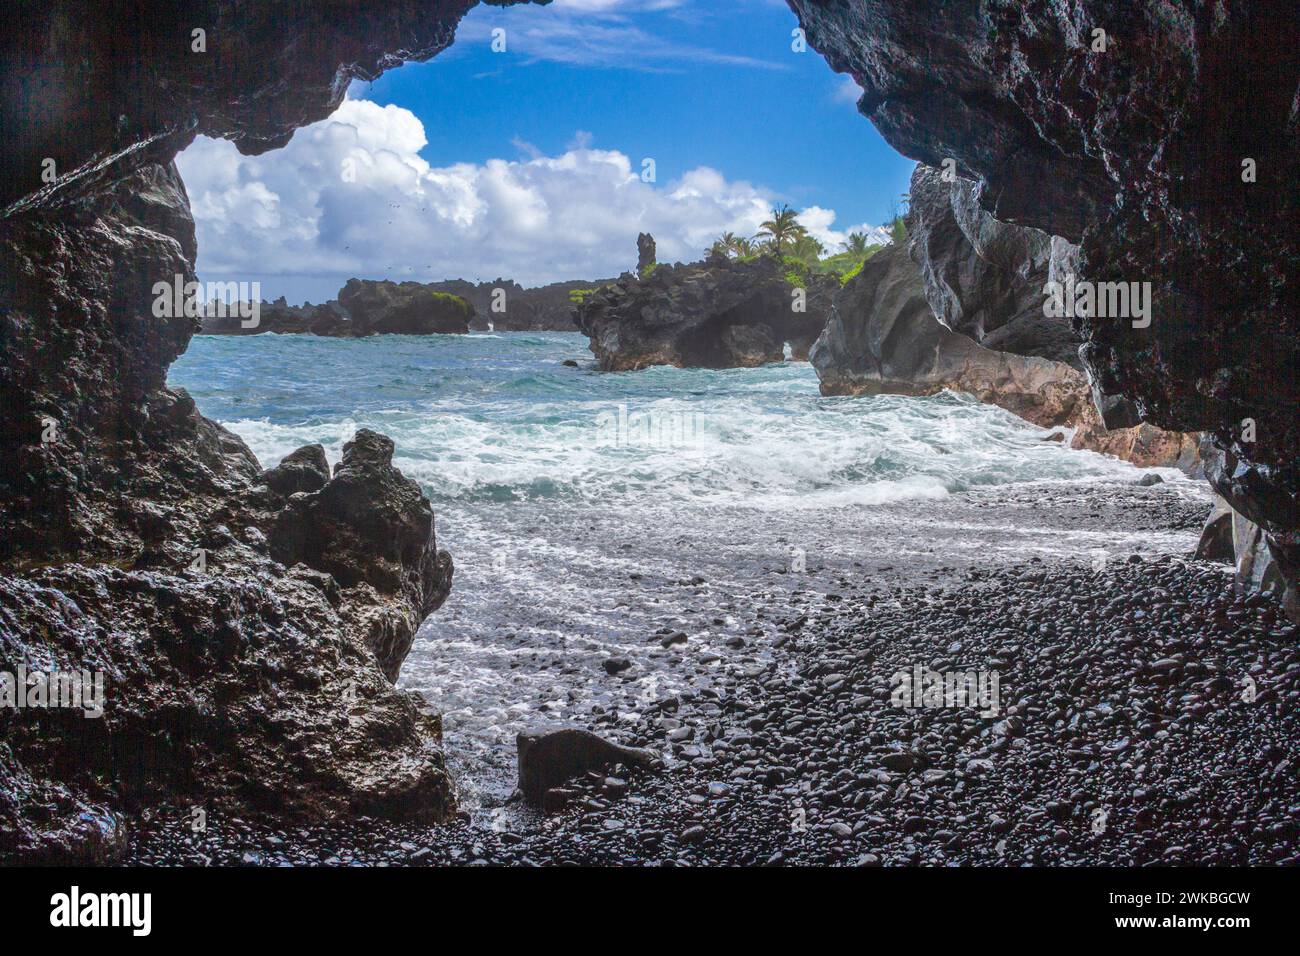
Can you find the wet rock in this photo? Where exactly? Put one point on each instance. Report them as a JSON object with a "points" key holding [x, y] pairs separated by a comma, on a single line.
{"points": [[371, 528], [883, 338], [304, 470], [984, 278], [615, 665], [1216, 542], [1014, 97], [549, 758]]}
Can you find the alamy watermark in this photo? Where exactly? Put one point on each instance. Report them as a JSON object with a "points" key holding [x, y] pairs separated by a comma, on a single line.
{"points": [[654, 428], [71, 690], [925, 687], [241, 300], [1102, 300]]}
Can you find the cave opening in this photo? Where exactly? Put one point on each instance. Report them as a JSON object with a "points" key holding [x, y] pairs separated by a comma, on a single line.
{"points": [[247, 549]]}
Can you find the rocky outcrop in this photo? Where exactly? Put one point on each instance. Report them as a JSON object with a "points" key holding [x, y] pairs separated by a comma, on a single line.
{"points": [[509, 307], [139, 543], [719, 313], [1160, 138], [984, 278], [381, 308], [371, 529], [245, 660], [548, 758], [405, 308], [279, 317], [646, 253], [883, 338]]}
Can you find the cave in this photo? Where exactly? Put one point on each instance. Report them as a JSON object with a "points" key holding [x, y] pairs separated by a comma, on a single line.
{"points": [[113, 484]]}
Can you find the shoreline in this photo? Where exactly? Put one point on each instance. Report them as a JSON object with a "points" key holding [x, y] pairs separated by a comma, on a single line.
{"points": [[1121, 701]]}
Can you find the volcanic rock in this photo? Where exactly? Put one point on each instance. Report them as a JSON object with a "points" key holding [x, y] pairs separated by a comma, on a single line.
{"points": [[303, 470], [549, 758], [1175, 167], [509, 307], [719, 313], [984, 278], [882, 338], [405, 308]]}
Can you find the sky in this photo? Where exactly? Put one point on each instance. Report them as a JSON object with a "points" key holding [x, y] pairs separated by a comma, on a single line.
{"points": [[542, 161]]}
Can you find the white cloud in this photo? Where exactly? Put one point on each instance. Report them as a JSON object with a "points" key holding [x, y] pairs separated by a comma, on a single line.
{"points": [[820, 224], [847, 90], [297, 213], [617, 34]]}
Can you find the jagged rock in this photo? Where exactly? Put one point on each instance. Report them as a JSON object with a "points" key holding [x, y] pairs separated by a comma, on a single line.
{"points": [[115, 113], [645, 252], [719, 313], [1217, 542], [548, 758], [883, 338], [984, 278], [371, 529], [1176, 166], [303, 470], [406, 308], [135, 535]]}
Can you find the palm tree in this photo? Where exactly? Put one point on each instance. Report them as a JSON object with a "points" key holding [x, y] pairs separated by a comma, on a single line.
{"points": [[898, 230], [807, 249], [744, 247], [727, 244], [783, 227], [857, 244]]}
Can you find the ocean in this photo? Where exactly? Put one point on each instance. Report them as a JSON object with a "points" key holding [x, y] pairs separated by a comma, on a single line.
{"points": [[593, 515]]}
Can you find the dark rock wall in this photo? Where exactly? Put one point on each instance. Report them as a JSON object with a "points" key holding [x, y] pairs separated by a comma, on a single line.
{"points": [[105, 87], [882, 337], [1136, 153]]}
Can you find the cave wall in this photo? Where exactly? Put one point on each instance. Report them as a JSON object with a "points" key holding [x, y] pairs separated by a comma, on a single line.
{"points": [[247, 624], [1134, 149]]}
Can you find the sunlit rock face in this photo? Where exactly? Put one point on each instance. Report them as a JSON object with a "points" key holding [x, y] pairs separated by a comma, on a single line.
{"points": [[884, 338], [247, 627], [1162, 138], [985, 278]]}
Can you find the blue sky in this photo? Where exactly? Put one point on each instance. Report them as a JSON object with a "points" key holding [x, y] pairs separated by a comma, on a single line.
{"points": [[687, 83], [527, 163]]}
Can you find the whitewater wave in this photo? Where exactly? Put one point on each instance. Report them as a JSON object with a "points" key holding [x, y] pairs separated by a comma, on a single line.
{"points": [[478, 420]]}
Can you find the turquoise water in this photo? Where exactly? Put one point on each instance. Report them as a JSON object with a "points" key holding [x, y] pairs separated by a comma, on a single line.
{"points": [[586, 511], [480, 418]]}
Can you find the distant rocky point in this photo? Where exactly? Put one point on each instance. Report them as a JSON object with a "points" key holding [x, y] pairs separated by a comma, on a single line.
{"points": [[719, 313], [364, 307], [377, 307], [506, 306]]}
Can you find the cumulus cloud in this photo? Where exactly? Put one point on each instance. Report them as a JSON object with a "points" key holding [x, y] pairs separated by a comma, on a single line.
{"points": [[847, 90], [351, 196]]}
